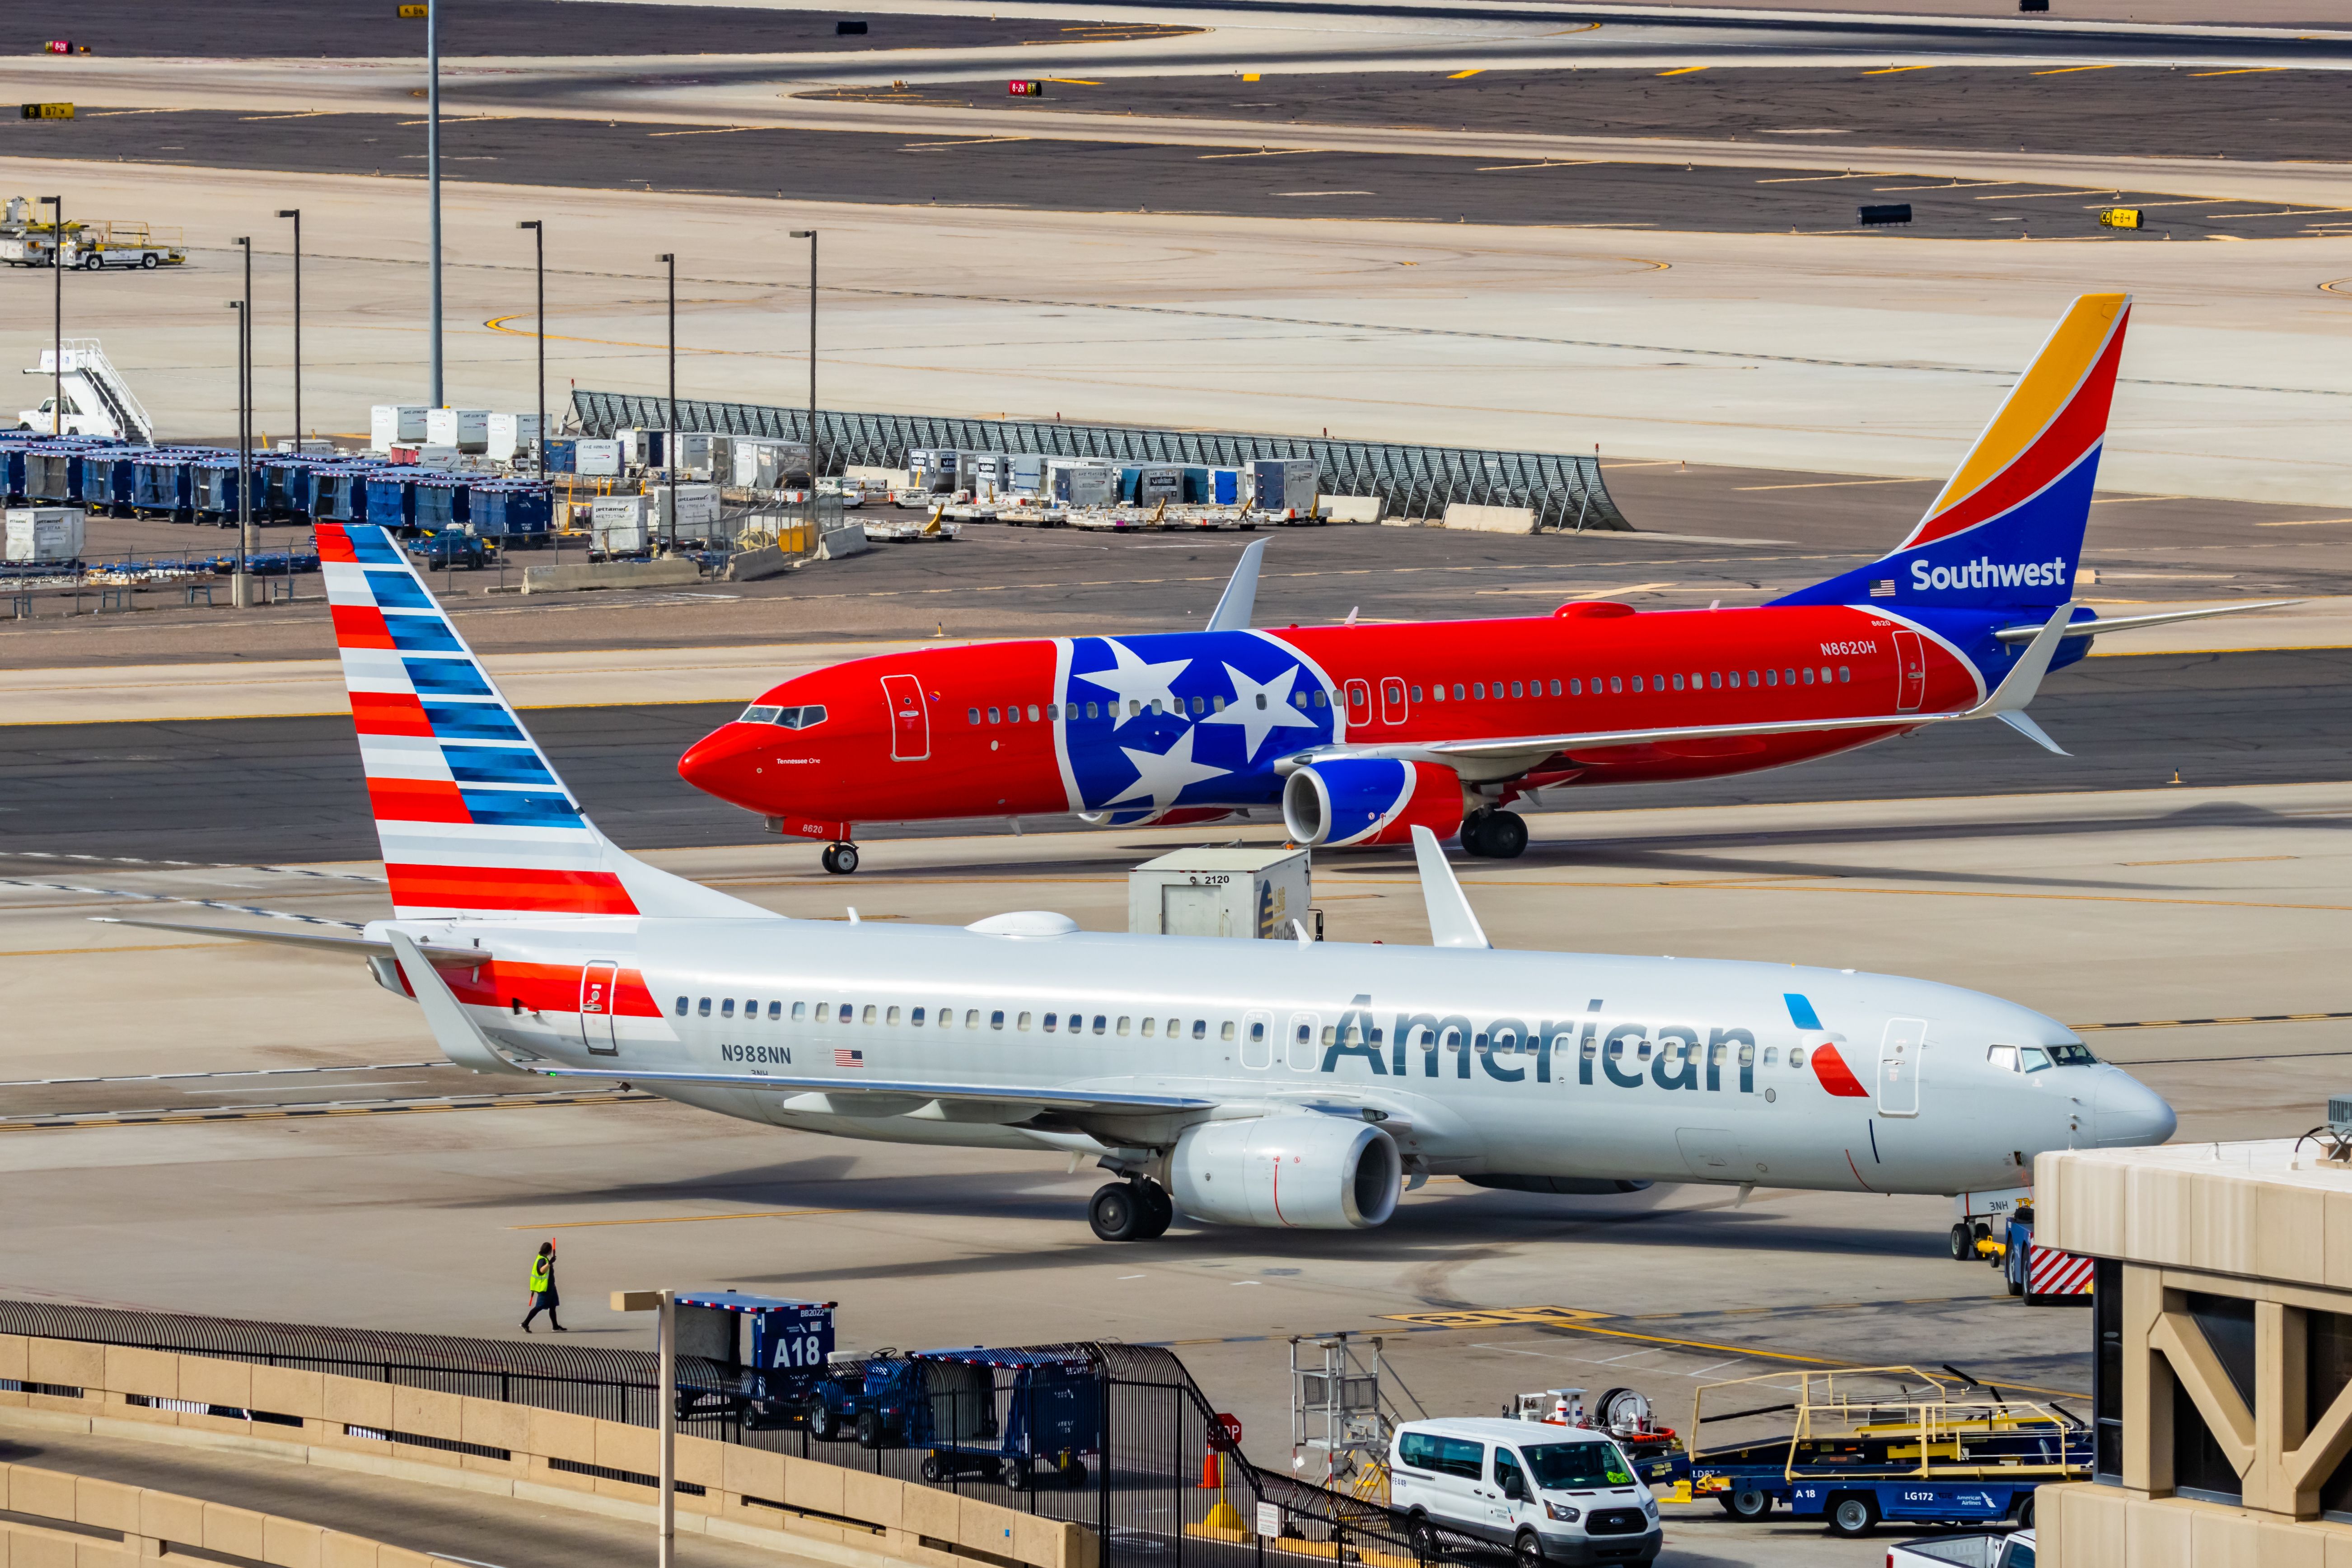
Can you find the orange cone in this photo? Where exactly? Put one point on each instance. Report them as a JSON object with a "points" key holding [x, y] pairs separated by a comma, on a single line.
{"points": [[1213, 1474]]}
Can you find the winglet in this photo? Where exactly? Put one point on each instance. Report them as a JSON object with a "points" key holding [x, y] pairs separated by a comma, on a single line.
{"points": [[1452, 923], [2019, 686], [454, 1029], [1240, 599]]}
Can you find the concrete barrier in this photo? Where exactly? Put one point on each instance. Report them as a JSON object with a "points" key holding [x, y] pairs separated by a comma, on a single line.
{"points": [[852, 1519], [1353, 509], [80, 1521], [1490, 519], [752, 565], [581, 575]]}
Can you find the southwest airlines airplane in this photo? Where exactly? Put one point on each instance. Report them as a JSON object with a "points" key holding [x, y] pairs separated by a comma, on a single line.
{"points": [[1361, 733], [1247, 1082]]}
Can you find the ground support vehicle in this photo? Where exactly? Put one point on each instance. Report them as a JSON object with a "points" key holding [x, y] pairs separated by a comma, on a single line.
{"points": [[2042, 1276], [124, 247], [449, 547], [1657, 1454], [1014, 1412], [767, 1384], [2014, 1550], [1855, 1446]]}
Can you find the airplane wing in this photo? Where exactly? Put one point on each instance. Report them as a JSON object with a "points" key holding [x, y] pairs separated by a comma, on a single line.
{"points": [[1080, 1099], [357, 946], [2132, 623], [2017, 688]]}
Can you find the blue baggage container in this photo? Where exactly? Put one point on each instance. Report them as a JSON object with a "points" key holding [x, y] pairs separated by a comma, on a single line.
{"points": [[390, 500], [106, 479], [511, 509], [339, 492], [211, 485], [562, 454], [159, 480], [1228, 487], [53, 472], [438, 503]]}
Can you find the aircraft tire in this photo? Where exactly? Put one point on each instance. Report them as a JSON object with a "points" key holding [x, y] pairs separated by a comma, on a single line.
{"points": [[1117, 1213], [1964, 1243], [1505, 837], [1474, 832], [1160, 1210], [841, 859]]}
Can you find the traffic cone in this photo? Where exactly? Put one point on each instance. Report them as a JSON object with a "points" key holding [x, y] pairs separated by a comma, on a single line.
{"points": [[1212, 1472]]}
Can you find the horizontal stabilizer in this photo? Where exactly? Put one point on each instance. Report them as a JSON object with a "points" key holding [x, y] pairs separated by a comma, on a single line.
{"points": [[2021, 722], [2024, 681], [2132, 623], [357, 946], [454, 1029]]}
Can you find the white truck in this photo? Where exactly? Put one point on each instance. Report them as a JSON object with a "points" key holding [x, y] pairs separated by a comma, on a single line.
{"points": [[2014, 1550], [97, 402]]}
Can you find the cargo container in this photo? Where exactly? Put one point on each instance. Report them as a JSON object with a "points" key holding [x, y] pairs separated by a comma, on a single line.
{"points": [[159, 482], [640, 447], [698, 510], [40, 534], [1083, 484], [694, 453], [1028, 473], [466, 429], [511, 436], [934, 468], [1149, 484], [390, 500], [598, 459], [211, 485], [1285, 485], [339, 493], [392, 422], [616, 525], [52, 471], [1229, 487], [106, 479], [440, 502], [768, 463], [511, 509]]}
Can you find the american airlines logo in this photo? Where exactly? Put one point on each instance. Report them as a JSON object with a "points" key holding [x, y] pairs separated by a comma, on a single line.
{"points": [[1508, 1051], [1986, 573]]}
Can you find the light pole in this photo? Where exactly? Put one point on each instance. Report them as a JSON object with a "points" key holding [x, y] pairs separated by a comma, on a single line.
{"points": [[810, 234], [433, 171], [669, 437], [242, 591], [58, 354], [663, 1303], [538, 264], [295, 214]]}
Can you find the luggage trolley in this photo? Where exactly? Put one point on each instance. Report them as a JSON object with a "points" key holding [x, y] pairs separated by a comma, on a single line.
{"points": [[1014, 1412], [772, 1386]]}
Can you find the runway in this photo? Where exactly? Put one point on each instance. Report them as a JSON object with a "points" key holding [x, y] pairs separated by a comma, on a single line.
{"points": [[290, 789]]}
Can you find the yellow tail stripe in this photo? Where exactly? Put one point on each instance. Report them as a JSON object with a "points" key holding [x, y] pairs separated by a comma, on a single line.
{"points": [[2041, 393]]}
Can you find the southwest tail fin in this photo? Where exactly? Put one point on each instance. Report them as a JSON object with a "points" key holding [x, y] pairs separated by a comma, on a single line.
{"points": [[472, 819], [2007, 529]]}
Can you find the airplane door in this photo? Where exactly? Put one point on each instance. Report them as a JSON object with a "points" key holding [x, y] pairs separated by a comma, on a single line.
{"points": [[1305, 1051], [1257, 1040], [1911, 670], [910, 721], [1393, 703], [598, 981], [1898, 1065], [1360, 703]]}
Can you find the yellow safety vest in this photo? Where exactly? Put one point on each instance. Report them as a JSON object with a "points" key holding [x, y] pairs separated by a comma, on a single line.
{"points": [[542, 1270]]}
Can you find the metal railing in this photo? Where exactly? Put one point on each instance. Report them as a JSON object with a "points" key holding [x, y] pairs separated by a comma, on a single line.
{"points": [[1566, 494]]}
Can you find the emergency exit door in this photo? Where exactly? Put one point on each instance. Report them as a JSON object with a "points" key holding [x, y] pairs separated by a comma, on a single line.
{"points": [[1898, 1065], [598, 983], [1911, 671], [910, 721]]}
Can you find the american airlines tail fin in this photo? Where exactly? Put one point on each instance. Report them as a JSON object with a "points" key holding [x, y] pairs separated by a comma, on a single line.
{"points": [[2007, 529], [472, 819]]}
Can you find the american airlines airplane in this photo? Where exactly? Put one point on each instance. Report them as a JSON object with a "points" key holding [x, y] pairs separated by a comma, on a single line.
{"points": [[1245, 1082], [1361, 733]]}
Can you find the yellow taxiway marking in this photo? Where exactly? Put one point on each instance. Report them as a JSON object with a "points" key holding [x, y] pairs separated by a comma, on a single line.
{"points": [[1835, 484], [679, 1218], [974, 142], [1555, 164], [2069, 70], [1896, 70], [1682, 70], [1495, 1317], [713, 131], [1072, 82], [1263, 153], [2304, 523], [2243, 70], [2214, 860], [305, 114], [1458, 75]]}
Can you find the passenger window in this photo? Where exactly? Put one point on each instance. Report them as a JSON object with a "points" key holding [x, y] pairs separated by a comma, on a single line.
{"points": [[1155, 705], [2002, 1056], [1576, 688], [915, 1017], [1100, 1023], [727, 1007], [1715, 680], [1506, 1470], [867, 1017], [1416, 694], [775, 1011], [1735, 681], [1091, 712], [1257, 1030], [995, 716], [1771, 1055], [1013, 715], [1298, 699], [1022, 1023], [1845, 675], [681, 1006], [1049, 1021], [1772, 677], [1175, 1027], [1555, 689], [1417, 1451], [975, 715], [1322, 699], [1032, 712], [703, 1007], [1225, 1030], [1199, 1028], [1479, 690], [1796, 1055], [996, 1019], [1637, 683], [1678, 682], [1617, 683], [1148, 1024], [1809, 675], [947, 1017], [1457, 691], [1748, 1056], [1517, 689], [1437, 692], [1122, 1027], [1751, 678], [891, 1018], [1460, 1456], [972, 1018], [800, 1010]]}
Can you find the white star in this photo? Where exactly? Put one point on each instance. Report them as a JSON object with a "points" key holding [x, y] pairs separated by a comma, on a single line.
{"points": [[1161, 775], [1260, 710], [1137, 682]]}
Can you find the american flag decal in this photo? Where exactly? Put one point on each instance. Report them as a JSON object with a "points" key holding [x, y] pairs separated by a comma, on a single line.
{"points": [[1881, 587], [841, 1059]]}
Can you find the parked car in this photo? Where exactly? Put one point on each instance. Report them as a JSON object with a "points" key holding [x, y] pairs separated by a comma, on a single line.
{"points": [[2014, 1550], [1546, 1494]]}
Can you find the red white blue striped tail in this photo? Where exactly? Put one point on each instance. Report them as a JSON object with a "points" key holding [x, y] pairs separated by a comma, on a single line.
{"points": [[472, 819]]}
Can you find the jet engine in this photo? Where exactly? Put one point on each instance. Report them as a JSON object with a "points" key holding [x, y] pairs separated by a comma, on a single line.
{"points": [[1371, 800], [1306, 1170]]}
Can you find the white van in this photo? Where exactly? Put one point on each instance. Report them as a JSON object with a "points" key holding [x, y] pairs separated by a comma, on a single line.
{"points": [[1546, 1494]]}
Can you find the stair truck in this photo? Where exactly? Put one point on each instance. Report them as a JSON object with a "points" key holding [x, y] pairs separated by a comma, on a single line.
{"points": [[1854, 1446], [97, 402]]}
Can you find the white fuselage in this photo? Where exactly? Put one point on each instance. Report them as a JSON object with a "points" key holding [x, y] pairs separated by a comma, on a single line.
{"points": [[1478, 1061]]}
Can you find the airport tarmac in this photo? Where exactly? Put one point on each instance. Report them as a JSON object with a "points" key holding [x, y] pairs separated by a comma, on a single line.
{"points": [[2188, 933]]}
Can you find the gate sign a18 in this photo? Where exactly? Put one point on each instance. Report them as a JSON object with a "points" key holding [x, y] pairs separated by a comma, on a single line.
{"points": [[792, 1339]]}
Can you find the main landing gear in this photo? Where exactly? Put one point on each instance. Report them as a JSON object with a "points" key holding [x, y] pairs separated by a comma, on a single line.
{"points": [[1495, 834], [840, 859], [1131, 1210]]}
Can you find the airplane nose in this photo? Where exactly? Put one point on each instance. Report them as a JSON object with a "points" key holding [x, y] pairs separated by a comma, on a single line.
{"points": [[716, 764], [2128, 1113]]}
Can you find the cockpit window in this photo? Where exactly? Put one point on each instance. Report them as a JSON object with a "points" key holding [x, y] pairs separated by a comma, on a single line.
{"points": [[2002, 1056], [2032, 1059], [783, 718], [2074, 1055]]}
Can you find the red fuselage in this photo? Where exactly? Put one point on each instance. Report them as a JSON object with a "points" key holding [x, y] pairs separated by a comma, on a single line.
{"points": [[1195, 721]]}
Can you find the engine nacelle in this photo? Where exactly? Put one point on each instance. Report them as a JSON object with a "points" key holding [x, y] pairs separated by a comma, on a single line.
{"points": [[1371, 800], [1306, 1170]]}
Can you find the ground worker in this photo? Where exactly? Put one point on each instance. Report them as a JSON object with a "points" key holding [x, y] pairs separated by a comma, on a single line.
{"points": [[543, 1298]]}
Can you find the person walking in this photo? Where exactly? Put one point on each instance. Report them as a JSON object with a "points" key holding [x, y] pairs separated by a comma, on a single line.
{"points": [[543, 1297]]}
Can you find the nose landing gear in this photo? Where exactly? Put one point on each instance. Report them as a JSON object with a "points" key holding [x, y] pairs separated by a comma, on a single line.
{"points": [[841, 859]]}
